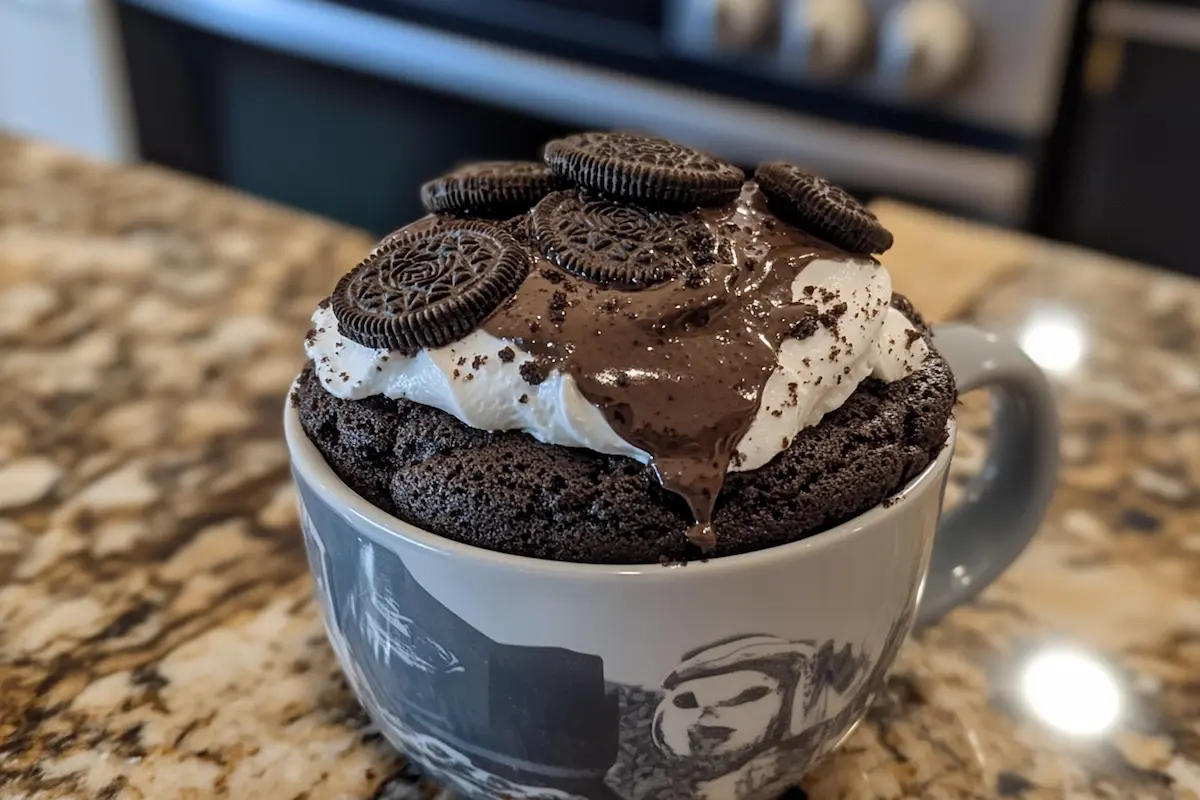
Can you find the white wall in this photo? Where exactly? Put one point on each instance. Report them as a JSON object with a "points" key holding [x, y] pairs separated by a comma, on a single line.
{"points": [[62, 78]]}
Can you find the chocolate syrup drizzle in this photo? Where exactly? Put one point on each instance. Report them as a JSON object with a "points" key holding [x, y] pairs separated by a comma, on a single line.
{"points": [[678, 368]]}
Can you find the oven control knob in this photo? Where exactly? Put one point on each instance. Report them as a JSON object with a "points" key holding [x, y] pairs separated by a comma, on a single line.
{"points": [[742, 26], [925, 46], [825, 38]]}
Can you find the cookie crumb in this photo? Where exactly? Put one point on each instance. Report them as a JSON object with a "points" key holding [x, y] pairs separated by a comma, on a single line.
{"points": [[506, 355], [804, 328], [558, 307], [533, 373]]}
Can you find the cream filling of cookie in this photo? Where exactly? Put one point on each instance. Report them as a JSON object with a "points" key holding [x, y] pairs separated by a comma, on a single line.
{"points": [[478, 380]]}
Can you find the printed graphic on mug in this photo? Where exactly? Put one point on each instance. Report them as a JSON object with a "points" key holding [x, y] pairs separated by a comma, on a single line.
{"points": [[733, 718]]}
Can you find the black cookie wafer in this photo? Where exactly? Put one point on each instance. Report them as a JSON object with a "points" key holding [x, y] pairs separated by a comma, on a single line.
{"points": [[643, 169], [817, 205], [494, 189], [615, 243], [429, 284]]}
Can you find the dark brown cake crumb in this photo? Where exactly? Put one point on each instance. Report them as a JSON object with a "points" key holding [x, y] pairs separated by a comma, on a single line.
{"points": [[552, 275], [478, 361], [506, 355], [805, 327], [558, 307], [532, 372], [830, 317]]}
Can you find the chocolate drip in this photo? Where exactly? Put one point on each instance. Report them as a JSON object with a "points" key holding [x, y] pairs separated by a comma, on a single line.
{"points": [[678, 368]]}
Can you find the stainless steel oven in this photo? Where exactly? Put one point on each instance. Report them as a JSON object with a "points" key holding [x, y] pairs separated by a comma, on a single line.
{"points": [[1127, 182], [342, 107]]}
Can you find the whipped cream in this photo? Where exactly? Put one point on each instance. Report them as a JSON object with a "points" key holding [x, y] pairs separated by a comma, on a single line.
{"points": [[478, 381]]}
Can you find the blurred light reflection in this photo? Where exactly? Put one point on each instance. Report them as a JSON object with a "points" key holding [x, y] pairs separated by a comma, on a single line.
{"points": [[1071, 691], [1054, 341]]}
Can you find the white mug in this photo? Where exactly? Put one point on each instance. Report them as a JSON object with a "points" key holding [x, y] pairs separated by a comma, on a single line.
{"points": [[727, 679]]}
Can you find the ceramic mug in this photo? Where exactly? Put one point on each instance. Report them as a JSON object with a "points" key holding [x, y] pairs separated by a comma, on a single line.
{"points": [[513, 677]]}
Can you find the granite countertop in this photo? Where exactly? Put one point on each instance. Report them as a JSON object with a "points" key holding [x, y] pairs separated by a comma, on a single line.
{"points": [[157, 634]]}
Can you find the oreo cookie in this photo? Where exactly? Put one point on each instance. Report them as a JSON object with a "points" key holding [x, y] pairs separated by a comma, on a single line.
{"points": [[495, 189], [615, 243], [429, 284], [817, 205], [642, 169]]}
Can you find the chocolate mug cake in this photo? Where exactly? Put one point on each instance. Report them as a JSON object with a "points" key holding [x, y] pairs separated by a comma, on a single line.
{"points": [[620, 474], [630, 353]]}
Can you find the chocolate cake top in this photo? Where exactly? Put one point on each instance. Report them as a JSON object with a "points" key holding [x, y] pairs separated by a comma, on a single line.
{"points": [[654, 275]]}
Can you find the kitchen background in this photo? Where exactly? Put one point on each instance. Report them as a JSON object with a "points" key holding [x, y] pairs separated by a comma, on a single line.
{"points": [[1076, 119]]}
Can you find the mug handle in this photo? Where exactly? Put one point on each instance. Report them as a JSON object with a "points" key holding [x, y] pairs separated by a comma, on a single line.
{"points": [[1004, 504]]}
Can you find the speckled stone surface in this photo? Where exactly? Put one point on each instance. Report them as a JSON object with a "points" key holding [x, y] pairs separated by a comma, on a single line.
{"points": [[157, 634]]}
